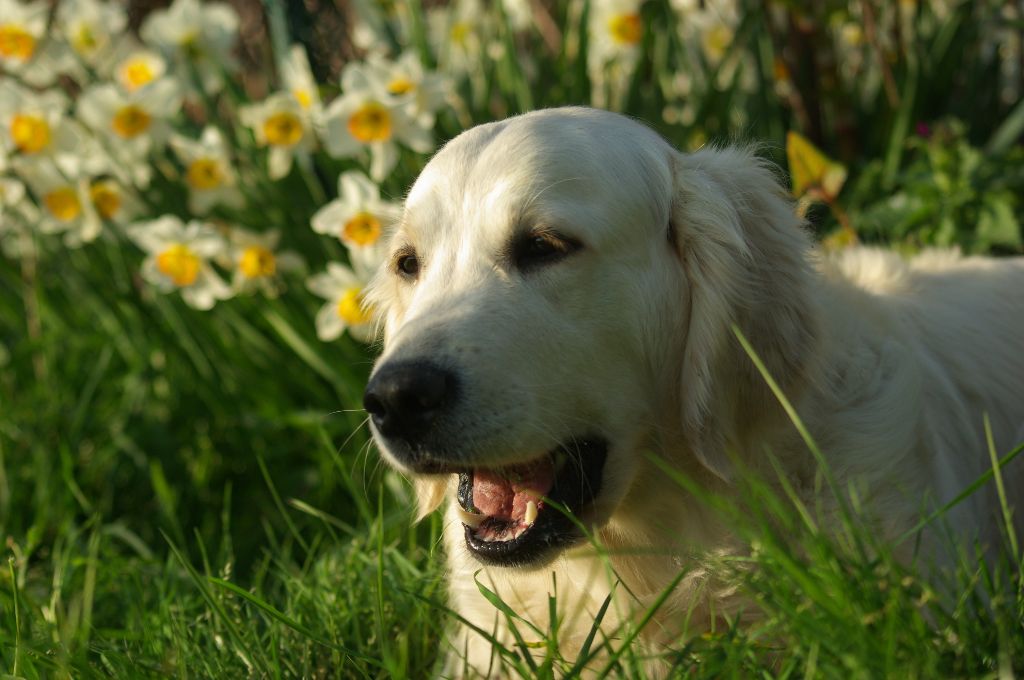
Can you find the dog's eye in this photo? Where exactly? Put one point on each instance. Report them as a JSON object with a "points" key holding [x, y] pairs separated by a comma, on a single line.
{"points": [[407, 265], [538, 249]]}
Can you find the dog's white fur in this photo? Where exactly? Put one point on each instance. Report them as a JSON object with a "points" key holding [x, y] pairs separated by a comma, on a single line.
{"points": [[890, 363]]}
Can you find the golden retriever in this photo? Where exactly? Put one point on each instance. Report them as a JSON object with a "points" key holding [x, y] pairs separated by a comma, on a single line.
{"points": [[558, 303]]}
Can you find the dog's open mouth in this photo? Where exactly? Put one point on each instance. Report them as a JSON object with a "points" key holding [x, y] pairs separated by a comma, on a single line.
{"points": [[520, 514]]}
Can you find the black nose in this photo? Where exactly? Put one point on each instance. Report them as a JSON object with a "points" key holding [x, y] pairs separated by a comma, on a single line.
{"points": [[405, 398]]}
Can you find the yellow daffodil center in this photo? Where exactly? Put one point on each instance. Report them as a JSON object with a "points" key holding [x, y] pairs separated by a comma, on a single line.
{"points": [[370, 123], [459, 33], [16, 43], [302, 96], [31, 134], [204, 174], [283, 129], [106, 198], [131, 121], [350, 307], [716, 41], [257, 261], [626, 29], [85, 40], [779, 70], [63, 204], [179, 264], [135, 73], [400, 85], [363, 229]]}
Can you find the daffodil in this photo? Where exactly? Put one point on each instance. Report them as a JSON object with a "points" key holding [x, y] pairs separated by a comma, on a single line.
{"points": [[196, 37], [90, 27], [369, 118], [257, 262], [343, 287], [62, 193], [615, 31], [457, 34], [112, 201], [136, 67], [358, 216], [280, 123], [209, 174], [297, 78], [132, 123], [407, 81], [22, 26], [34, 124], [178, 258]]}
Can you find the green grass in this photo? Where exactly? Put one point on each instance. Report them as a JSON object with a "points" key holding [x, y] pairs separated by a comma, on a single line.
{"points": [[188, 494]]}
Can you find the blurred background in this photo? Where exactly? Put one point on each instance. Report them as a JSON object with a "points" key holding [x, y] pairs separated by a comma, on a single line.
{"points": [[192, 196]]}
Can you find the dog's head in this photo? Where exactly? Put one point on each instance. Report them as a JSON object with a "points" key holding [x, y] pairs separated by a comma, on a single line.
{"points": [[558, 297]]}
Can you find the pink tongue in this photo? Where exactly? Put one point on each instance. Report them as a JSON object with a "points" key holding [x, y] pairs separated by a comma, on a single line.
{"points": [[505, 493]]}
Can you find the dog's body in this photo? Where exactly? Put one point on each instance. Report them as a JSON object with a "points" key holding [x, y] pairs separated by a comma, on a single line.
{"points": [[565, 281]]}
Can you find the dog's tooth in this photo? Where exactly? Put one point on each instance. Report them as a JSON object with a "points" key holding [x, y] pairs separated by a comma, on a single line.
{"points": [[531, 513], [470, 519]]}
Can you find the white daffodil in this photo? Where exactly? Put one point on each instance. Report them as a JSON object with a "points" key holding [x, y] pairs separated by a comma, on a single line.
{"points": [[297, 78], [256, 261], [279, 122], [112, 201], [368, 118], [22, 26], [34, 124], [132, 123], [406, 80], [358, 216], [342, 287], [615, 31], [519, 13], [90, 27], [209, 174], [456, 33], [63, 196], [136, 67], [196, 36], [178, 258]]}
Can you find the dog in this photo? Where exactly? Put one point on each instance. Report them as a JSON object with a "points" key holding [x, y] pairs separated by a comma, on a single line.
{"points": [[558, 308]]}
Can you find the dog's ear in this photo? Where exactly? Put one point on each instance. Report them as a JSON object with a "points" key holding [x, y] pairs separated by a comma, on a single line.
{"points": [[746, 260], [429, 494]]}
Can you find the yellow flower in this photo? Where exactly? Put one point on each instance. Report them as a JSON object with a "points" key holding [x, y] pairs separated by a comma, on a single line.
{"points": [[257, 262], [178, 257], [30, 133], [283, 129], [16, 43], [179, 264], [63, 204], [370, 123], [351, 309], [358, 216], [106, 198], [363, 229], [280, 123], [204, 174], [130, 121], [626, 29]]}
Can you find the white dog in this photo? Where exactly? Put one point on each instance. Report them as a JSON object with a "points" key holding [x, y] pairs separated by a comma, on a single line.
{"points": [[558, 308]]}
